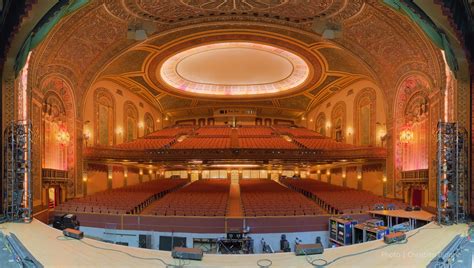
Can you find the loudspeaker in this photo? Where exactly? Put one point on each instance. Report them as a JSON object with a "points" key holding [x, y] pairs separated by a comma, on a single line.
{"points": [[308, 249], [144, 241], [187, 253]]}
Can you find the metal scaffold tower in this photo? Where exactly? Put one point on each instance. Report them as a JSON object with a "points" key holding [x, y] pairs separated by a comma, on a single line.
{"points": [[452, 175], [17, 182]]}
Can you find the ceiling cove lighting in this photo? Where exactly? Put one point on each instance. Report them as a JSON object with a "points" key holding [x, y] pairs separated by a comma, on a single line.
{"points": [[234, 69]]}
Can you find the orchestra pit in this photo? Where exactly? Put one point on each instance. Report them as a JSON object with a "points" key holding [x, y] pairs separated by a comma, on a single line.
{"points": [[236, 133]]}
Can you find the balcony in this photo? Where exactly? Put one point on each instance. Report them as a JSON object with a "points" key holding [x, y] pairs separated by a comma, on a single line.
{"points": [[54, 176], [415, 176]]}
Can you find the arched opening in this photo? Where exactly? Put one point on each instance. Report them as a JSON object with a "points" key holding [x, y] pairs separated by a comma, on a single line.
{"points": [[130, 123], [364, 117], [105, 117], [338, 119], [149, 124]]}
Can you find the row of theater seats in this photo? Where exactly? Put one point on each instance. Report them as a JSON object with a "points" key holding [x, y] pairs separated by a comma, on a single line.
{"points": [[127, 200], [203, 143], [172, 132], [201, 198], [254, 131], [298, 132], [214, 131], [337, 199], [322, 143], [266, 143], [263, 197]]}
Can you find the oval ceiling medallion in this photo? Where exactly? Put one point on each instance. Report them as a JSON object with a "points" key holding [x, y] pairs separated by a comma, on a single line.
{"points": [[234, 68], [228, 5]]}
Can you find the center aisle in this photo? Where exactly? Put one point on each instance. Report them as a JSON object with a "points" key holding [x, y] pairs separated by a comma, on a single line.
{"points": [[234, 208]]}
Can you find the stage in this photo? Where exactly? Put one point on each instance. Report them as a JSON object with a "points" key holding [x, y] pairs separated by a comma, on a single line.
{"points": [[51, 249]]}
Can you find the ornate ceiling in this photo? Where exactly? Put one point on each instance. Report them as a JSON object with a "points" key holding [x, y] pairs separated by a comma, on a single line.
{"points": [[376, 44], [234, 69]]}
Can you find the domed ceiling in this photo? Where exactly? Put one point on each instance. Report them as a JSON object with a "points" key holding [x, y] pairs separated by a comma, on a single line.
{"points": [[234, 69], [205, 54]]}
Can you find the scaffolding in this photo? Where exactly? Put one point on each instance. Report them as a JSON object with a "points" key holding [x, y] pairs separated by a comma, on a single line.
{"points": [[17, 182], [452, 174]]}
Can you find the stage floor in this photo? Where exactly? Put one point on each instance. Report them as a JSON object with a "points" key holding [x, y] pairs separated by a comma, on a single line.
{"points": [[51, 249]]}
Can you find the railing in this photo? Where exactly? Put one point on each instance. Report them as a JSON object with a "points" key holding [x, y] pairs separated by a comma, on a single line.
{"points": [[420, 175], [54, 175], [98, 153], [190, 224]]}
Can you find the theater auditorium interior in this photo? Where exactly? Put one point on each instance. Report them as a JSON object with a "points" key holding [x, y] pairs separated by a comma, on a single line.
{"points": [[236, 133]]}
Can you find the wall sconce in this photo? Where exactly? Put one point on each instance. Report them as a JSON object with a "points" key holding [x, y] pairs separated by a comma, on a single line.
{"points": [[328, 172], [311, 120], [140, 172], [141, 124], [150, 171], [328, 124], [84, 177], [350, 131], [359, 177], [109, 176], [319, 171], [228, 171], [343, 174], [119, 130], [87, 134], [384, 178], [303, 118], [158, 120]]}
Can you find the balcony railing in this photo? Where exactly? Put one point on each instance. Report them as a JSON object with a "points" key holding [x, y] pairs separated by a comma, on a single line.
{"points": [[54, 175]]}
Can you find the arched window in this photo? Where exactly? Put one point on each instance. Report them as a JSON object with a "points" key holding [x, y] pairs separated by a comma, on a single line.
{"points": [[104, 117], [55, 153], [130, 117], [321, 123], [338, 119], [149, 124], [364, 117]]}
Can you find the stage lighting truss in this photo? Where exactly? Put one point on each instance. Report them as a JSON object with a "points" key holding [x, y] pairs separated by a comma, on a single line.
{"points": [[17, 181], [452, 173]]}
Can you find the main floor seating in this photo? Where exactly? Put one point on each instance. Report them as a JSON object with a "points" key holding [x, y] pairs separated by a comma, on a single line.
{"points": [[264, 197], [201, 198], [338, 199], [127, 200]]}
